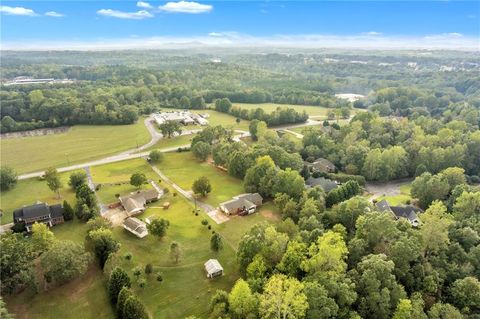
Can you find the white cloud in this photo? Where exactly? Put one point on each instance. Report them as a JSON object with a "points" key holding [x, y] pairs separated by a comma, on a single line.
{"points": [[17, 11], [215, 34], [372, 33], [142, 14], [145, 5], [186, 7], [54, 14]]}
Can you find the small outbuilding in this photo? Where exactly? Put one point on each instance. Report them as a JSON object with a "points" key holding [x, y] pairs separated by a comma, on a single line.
{"points": [[135, 226], [213, 268]]}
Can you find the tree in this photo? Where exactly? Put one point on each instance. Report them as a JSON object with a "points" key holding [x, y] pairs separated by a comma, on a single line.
{"points": [[434, 230], [117, 281], [158, 227], [156, 156], [223, 105], [8, 178], [444, 311], [138, 179], [216, 242], [283, 298], [4, 314], [77, 178], [293, 258], [241, 300], [288, 182], [169, 128], [467, 207], [466, 294], [257, 273], [16, 262], [252, 128], [320, 305], [377, 288], [202, 186], [201, 150], [328, 256], [134, 309], [103, 243], [53, 180], [42, 237], [64, 261], [238, 164], [122, 297], [428, 187], [67, 211], [176, 252], [219, 304], [259, 178]]}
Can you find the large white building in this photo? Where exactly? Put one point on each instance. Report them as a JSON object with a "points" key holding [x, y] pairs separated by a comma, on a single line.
{"points": [[184, 117]]}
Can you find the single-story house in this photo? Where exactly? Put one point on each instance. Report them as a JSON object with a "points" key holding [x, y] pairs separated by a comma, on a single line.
{"points": [[244, 204], [136, 202], [135, 226], [213, 268], [409, 212], [325, 183], [39, 213], [321, 165]]}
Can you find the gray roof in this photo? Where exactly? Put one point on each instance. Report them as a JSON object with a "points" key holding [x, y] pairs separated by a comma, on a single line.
{"points": [[383, 206], [137, 201], [408, 212], [135, 226], [36, 210], [213, 266], [246, 200], [325, 183]]}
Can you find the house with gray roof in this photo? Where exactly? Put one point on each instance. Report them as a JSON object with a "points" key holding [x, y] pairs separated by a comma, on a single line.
{"points": [[325, 183], [213, 268], [135, 226], [408, 212], [322, 165], [135, 203], [243, 204], [39, 213]]}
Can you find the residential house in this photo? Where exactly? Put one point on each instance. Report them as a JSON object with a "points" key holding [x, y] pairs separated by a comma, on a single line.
{"points": [[325, 183], [39, 213], [213, 268], [244, 204], [408, 212], [321, 165], [135, 226], [136, 202]]}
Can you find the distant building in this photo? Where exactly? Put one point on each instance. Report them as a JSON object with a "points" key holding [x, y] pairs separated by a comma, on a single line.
{"points": [[135, 203], [408, 212], [23, 80], [184, 117], [244, 204], [321, 165], [39, 213], [135, 226], [213, 268], [325, 183]]}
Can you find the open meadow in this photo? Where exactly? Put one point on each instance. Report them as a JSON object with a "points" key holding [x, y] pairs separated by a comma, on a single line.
{"points": [[79, 144], [311, 110]]}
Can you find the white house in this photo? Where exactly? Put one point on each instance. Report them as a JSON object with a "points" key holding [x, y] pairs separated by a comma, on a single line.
{"points": [[213, 268], [135, 226]]}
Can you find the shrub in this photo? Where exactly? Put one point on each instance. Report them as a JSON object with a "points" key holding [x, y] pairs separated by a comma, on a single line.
{"points": [[204, 222], [196, 214], [142, 282], [117, 195], [175, 194], [159, 277], [97, 188], [166, 190], [128, 256], [209, 227], [137, 271], [148, 269]]}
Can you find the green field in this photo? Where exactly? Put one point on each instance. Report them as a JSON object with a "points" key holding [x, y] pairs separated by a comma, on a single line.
{"points": [[270, 107], [176, 141], [184, 169], [79, 144], [29, 191], [401, 199]]}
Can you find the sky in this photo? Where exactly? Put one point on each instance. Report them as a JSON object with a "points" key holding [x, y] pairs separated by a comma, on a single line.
{"points": [[163, 24]]}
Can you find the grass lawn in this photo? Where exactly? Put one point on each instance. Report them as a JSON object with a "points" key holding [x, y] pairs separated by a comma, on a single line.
{"points": [[400, 199], [176, 141], [184, 169], [121, 171], [79, 144], [270, 107], [28, 191], [226, 120]]}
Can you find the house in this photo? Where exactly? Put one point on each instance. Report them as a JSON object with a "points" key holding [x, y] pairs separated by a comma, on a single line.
{"points": [[409, 212], [321, 165], [39, 213], [136, 202], [184, 117], [213, 268], [244, 204], [325, 183], [135, 226]]}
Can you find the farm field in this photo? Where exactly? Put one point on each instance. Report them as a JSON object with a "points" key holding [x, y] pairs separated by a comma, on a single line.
{"points": [[270, 107], [28, 191], [176, 141], [183, 169], [79, 144]]}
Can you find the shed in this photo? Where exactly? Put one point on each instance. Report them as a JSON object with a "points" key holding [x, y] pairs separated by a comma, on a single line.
{"points": [[213, 268], [135, 226]]}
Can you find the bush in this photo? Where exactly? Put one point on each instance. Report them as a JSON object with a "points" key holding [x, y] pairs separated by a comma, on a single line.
{"points": [[117, 195], [97, 188], [137, 271], [204, 222], [196, 214], [209, 227], [343, 178], [166, 190], [148, 269], [128, 256], [142, 282], [174, 194], [159, 277]]}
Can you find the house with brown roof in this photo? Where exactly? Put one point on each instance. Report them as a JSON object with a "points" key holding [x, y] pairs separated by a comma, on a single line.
{"points": [[243, 204], [135, 203], [39, 213], [135, 226]]}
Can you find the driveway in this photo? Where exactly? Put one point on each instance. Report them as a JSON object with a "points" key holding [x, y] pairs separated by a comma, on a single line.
{"points": [[391, 188], [115, 215]]}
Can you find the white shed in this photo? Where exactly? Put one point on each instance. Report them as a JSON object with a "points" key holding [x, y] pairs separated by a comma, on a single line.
{"points": [[213, 268]]}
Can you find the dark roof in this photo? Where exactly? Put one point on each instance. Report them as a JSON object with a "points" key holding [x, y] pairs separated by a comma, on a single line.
{"points": [[383, 206], [325, 183], [37, 210], [56, 211], [408, 212]]}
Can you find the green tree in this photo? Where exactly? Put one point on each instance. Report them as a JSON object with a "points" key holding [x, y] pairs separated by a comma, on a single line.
{"points": [[252, 128], [242, 302], [4, 314], [138, 179], [134, 309], [467, 207], [8, 178], [257, 273], [223, 105], [156, 156], [42, 237], [466, 295], [122, 297], [428, 187], [238, 164], [68, 211], [169, 128], [77, 178], [288, 182], [176, 252], [320, 305], [435, 226], [216, 243], [219, 305], [64, 261], [201, 150], [53, 180], [103, 243], [202, 186], [293, 258], [259, 178], [283, 298], [444, 311], [158, 227], [327, 256], [117, 281]]}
